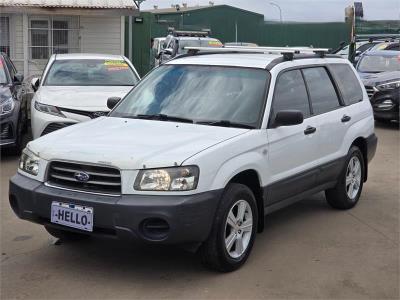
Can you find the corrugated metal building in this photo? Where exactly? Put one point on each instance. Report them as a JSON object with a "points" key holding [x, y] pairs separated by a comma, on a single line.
{"points": [[32, 30], [228, 24]]}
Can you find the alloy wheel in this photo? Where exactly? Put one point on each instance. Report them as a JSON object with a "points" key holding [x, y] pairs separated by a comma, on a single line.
{"points": [[353, 177], [238, 228]]}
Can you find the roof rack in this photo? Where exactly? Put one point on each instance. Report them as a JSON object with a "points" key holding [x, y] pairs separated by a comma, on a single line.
{"points": [[191, 33], [377, 37], [287, 52]]}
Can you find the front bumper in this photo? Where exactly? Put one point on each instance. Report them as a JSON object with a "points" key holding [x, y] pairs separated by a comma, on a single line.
{"points": [[390, 113], [180, 219], [8, 128]]}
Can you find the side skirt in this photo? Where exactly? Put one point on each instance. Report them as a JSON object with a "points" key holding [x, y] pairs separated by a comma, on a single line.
{"points": [[289, 201]]}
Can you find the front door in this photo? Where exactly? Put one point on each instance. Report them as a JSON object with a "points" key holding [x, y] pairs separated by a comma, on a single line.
{"points": [[292, 149]]}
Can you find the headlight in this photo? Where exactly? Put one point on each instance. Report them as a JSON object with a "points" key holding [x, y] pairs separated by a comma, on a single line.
{"points": [[6, 106], [389, 85], [29, 162], [48, 109], [386, 104], [168, 179]]}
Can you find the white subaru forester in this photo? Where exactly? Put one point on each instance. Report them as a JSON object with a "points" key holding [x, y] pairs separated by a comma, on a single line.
{"points": [[202, 149]]}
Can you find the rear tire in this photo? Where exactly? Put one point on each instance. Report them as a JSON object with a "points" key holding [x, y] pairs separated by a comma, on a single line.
{"points": [[347, 191], [65, 235], [233, 233]]}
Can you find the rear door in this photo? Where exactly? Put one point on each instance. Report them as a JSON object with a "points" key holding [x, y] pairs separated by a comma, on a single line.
{"points": [[332, 120], [292, 149]]}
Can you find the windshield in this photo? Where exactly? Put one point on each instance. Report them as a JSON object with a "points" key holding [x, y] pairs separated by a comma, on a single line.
{"points": [[90, 72], [199, 93], [3, 76], [377, 64]]}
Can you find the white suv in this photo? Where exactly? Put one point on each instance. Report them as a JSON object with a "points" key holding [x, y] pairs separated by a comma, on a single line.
{"points": [[202, 149]]}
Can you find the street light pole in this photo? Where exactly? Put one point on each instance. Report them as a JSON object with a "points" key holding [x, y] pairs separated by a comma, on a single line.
{"points": [[280, 10]]}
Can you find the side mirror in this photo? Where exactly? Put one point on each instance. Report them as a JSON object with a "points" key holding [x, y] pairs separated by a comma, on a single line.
{"points": [[18, 78], [168, 51], [35, 82], [112, 102], [358, 53], [288, 118]]}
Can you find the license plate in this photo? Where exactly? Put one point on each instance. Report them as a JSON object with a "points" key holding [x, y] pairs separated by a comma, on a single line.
{"points": [[76, 216]]}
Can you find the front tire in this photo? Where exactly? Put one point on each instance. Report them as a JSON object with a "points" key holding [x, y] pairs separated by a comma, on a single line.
{"points": [[233, 232], [347, 191]]}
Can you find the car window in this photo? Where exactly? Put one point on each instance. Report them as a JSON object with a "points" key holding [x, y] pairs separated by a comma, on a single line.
{"points": [[378, 63], [348, 83], [322, 92], [290, 94], [3, 74], [365, 47], [91, 72], [395, 47], [10, 68]]}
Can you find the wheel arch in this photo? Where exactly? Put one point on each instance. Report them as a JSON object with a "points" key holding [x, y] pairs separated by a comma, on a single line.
{"points": [[251, 179], [361, 143]]}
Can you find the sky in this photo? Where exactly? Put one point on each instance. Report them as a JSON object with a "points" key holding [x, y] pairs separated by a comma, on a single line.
{"points": [[299, 10]]}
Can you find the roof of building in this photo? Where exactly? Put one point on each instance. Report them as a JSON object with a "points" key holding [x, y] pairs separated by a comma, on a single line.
{"points": [[103, 4], [172, 10]]}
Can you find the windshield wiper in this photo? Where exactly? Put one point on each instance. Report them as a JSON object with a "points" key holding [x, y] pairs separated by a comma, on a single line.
{"points": [[162, 117], [226, 123]]}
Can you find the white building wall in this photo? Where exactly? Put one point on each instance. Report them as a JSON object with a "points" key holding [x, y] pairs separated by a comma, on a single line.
{"points": [[101, 34], [98, 34]]}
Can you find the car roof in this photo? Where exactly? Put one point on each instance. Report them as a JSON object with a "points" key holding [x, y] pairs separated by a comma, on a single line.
{"points": [[87, 56], [247, 60], [388, 53]]}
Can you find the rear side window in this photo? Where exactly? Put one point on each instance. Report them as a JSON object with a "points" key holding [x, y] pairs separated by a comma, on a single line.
{"points": [[291, 94], [348, 83], [322, 92]]}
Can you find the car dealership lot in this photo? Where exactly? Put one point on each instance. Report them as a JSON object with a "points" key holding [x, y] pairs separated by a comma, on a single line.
{"points": [[307, 250]]}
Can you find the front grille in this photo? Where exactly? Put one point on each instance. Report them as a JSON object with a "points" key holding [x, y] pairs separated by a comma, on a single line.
{"points": [[6, 131], [370, 91], [106, 180], [54, 126]]}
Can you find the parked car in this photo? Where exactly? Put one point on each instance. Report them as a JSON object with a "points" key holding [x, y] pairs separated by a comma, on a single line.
{"points": [[201, 149], [177, 41], [158, 44], [361, 47], [75, 88], [380, 73], [386, 46], [12, 107]]}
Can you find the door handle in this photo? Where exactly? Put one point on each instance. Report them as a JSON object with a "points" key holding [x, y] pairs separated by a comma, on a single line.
{"points": [[346, 118], [310, 130]]}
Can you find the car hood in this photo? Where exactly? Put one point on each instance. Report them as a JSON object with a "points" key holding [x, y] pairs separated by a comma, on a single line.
{"points": [[130, 143], [372, 79], [83, 97]]}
